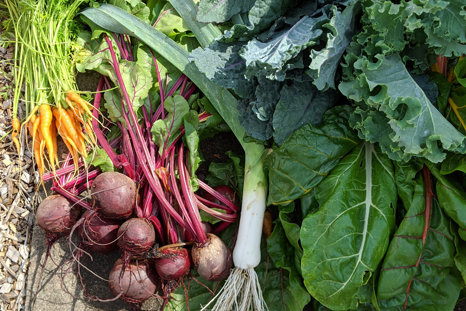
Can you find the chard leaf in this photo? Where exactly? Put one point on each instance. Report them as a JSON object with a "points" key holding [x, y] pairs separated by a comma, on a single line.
{"points": [[460, 258], [290, 219], [405, 174], [219, 11], [397, 114], [454, 162], [452, 199], [308, 155], [294, 296], [324, 62], [300, 103], [418, 272], [460, 72], [456, 110], [269, 58], [345, 240]]}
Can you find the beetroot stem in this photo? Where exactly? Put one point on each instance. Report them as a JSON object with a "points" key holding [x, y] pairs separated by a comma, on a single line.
{"points": [[189, 197], [75, 199], [143, 156]]}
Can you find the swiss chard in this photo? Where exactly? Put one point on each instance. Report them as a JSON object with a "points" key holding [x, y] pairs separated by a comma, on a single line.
{"points": [[418, 272], [346, 239]]}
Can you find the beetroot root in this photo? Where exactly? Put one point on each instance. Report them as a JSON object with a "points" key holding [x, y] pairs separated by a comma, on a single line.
{"points": [[135, 282], [99, 234], [115, 195], [136, 236], [212, 259], [56, 216], [174, 263]]}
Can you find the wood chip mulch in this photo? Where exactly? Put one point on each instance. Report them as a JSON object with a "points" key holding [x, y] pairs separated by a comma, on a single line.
{"points": [[17, 197]]}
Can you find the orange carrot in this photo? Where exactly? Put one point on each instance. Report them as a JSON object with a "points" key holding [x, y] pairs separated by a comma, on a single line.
{"points": [[73, 96], [14, 134], [54, 140], [45, 129], [65, 124], [70, 144], [38, 150], [79, 138]]}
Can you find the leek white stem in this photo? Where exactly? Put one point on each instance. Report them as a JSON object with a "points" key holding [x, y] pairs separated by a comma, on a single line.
{"points": [[242, 290]]}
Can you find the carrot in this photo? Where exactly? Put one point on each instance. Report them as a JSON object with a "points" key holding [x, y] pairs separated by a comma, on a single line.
{"points": [[38, 150], [70, 144], [14, 135], [89, 132], [45, 129], [54, 140], [73, 96], [79, 138], [35, 126], [66, 125], [76, 110]]}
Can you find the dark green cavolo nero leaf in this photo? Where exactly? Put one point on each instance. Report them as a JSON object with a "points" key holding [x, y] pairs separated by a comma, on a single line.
{"points": [[221, 63], [346, 239], [219, 11], [300, 103], [308, 155], [270, 58], [260, 16], [418, 272]]}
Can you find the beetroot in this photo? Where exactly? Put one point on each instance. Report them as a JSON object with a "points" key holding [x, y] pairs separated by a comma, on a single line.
{"points": [[136, 236], [174, 263], [225, 191], [212, 259], [136, 281], [99, 234], [56, 216], [115, 194]]}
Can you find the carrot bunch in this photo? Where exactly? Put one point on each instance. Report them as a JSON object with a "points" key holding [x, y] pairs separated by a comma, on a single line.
{"points": [[73, 124], [45, 37]]}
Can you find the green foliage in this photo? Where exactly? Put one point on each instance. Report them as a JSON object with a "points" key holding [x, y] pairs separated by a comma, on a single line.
{"points": [[346, 239], [393, 111], [308, 156], [419, 274]]}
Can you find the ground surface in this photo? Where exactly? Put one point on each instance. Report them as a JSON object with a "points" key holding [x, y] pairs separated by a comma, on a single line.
{"points": [[17, 197]]}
